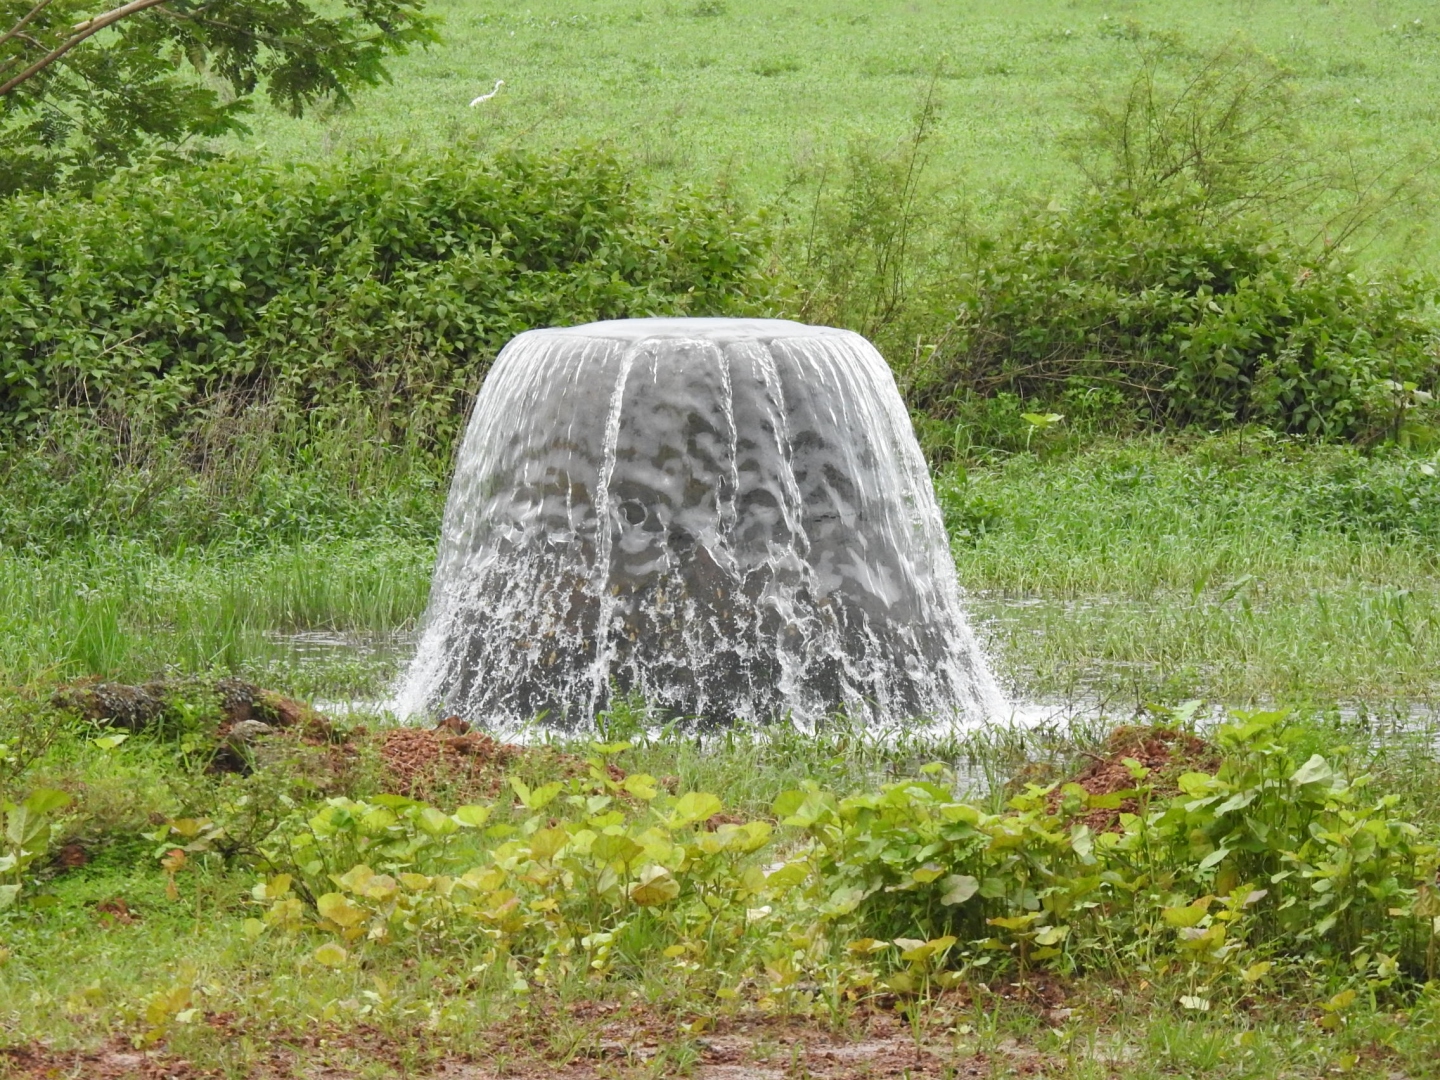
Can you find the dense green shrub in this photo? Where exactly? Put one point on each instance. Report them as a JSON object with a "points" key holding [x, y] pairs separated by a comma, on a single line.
{"points": [[1194, 321], [1269, 857], [392, 281]]}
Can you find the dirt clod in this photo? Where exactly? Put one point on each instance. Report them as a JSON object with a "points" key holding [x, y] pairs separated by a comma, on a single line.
{"points": [[116, 912], [1165, 752], [419, 758]]}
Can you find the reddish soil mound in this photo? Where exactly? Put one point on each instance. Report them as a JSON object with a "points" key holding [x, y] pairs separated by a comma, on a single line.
{"points": [[417, 759], [116, 912], [1164, 751], [450, 761]]}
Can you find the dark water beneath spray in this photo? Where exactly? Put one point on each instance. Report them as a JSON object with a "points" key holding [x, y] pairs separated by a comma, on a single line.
{"points": [[731, 517]]}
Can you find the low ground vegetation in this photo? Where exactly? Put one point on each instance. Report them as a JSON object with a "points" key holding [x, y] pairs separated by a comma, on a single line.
{"points": [[1245, 568], [659, 897]]}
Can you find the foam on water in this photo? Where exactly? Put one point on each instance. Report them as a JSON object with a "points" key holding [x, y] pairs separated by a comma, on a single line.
{"points": [[730, 516]]}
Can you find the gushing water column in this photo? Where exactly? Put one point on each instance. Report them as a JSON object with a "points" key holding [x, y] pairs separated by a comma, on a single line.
{"points": [[730, 516]]}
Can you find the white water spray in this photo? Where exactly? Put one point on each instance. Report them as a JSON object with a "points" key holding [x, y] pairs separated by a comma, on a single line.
{"points": [[731, 517]]}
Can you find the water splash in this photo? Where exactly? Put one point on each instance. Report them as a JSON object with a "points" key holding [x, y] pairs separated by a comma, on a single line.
{"points": [[731, 517]]}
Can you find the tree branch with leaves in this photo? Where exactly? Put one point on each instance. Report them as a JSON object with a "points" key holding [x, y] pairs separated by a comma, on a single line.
{"points": [[84, 92]]}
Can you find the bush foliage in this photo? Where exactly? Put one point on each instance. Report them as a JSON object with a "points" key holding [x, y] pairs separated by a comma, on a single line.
{"points": [[1268, 866], [1205, 275], [389, 281], [1194, 322]]}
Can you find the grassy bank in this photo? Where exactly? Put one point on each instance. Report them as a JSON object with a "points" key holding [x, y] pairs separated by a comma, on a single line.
{"points": [[123, 611]]}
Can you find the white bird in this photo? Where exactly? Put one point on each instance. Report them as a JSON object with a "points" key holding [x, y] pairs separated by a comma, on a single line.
{"points": [[486, 97]]}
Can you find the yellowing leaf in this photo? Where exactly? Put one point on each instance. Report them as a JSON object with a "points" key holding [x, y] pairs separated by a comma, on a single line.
{"points": [[1342, 1000], [787, 802], [843, 901], [1189, 915], [656, 885], [609, 848], [540, 797], [332, 955], [1196, 940], [754, 836], [1196, 784], [472, 816], [960, 812], [696, 806], [1256, 972], [46, 801], [379, 887], [355, 879], [785, 877], [1314, 771], [867, 945], [273, 889], [641, 785], [483, 879], [436, 823], [547, 843], [339, 910], [376, 820], [712, 843], [1052, 935], [189, 828], [1014, 922]]}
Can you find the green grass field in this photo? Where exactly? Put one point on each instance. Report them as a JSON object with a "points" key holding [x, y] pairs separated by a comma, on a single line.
{"points": [[764, 92]]}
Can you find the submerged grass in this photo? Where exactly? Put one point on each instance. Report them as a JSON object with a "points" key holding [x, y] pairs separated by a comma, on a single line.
{"points": [[121, 610], [1227, 567]]}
